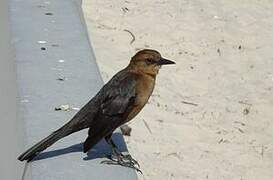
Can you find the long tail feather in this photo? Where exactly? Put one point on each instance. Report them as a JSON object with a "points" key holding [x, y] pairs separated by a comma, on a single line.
{"points": [[43, 144]]}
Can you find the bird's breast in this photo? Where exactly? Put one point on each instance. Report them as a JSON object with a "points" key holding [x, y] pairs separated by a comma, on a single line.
{"points": [[144, 89]]}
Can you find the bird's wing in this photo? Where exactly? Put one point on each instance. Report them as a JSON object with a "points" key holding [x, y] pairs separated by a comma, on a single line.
{"points": [[118, 97]]}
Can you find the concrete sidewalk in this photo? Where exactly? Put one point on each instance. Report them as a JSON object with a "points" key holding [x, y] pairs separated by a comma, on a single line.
{"points": [[11, 128], [55, 66]]}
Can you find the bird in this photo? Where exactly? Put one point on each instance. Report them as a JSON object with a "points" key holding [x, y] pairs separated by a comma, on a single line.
{"points": [[115, 104]]}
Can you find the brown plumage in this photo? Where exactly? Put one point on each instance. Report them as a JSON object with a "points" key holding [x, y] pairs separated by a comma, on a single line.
{"points": [[118, 102]]}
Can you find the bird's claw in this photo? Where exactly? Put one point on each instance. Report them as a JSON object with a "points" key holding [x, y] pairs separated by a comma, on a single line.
{"points": [[123, 160], [131, 159]]}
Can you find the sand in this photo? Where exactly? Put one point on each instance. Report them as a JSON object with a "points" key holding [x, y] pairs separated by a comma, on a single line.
{"points": [[210, 116]]}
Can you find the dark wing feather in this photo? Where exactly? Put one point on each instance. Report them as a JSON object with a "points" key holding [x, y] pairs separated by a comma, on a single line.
{"points": [[117, 98]]}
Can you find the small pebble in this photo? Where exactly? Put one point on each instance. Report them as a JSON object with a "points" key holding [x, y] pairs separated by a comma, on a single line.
{"points": [[126, 130], [49, 14], [42, 42], [64, 107], [246, 111], [61, 79]]}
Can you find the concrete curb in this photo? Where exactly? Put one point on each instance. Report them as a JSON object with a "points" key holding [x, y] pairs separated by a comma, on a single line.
{"points": [[56, 65], [11, 129]]}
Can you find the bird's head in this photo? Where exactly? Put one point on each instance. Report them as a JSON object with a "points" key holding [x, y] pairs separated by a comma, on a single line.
{"points": [[148, 61]]}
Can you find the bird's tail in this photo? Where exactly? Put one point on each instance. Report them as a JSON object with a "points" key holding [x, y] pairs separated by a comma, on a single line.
{"points": [[45, 143]]}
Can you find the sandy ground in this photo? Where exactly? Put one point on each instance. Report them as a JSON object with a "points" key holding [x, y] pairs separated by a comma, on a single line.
{"points": [[223, 50]]}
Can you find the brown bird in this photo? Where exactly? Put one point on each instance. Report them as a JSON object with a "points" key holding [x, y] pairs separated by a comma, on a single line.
{"points": [[118, 101]]}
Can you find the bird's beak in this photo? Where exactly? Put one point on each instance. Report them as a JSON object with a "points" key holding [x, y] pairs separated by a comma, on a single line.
{"points": [[163, 61]]}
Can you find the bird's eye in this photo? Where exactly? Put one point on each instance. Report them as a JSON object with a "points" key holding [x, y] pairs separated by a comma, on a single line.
{"points": [[149, 61]]}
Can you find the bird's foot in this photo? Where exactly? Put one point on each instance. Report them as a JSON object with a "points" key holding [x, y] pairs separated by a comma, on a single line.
{"points": [[123, 160], [129, 158]]}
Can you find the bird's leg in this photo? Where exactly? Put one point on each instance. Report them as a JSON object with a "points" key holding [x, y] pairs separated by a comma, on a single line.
{"points": [[126, 157], [116, 154], [121, 159]]}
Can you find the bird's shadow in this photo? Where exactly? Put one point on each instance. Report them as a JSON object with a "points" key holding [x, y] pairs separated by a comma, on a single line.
{"points": [[100, 150]]}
